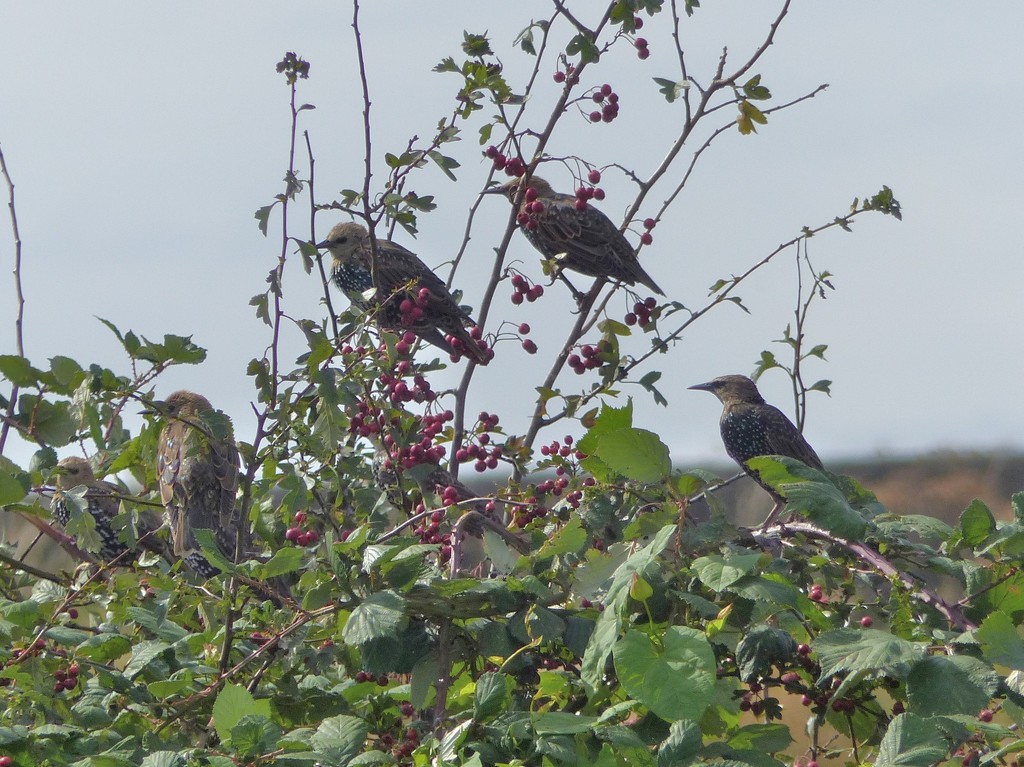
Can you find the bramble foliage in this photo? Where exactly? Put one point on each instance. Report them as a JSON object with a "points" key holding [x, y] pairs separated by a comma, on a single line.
{"points": [[390, 619]]}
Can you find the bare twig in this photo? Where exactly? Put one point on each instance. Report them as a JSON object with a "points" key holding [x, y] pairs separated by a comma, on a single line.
{"points": [[19, 318]]}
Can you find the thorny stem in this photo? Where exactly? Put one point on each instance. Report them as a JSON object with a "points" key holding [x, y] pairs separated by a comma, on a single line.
{"points": [[20, 315]]}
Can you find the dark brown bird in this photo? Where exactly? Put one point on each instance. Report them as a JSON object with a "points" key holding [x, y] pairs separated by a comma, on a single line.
{"points": [[751, 427], [197, 466], [414, 298], [581, 239], [102, 502]]}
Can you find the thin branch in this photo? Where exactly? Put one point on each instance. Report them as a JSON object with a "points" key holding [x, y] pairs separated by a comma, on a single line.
{"points": [[19, 318]]}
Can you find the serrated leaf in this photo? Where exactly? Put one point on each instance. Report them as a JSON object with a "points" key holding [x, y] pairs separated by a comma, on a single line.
{"points": [[636, 454], [976, 523], [718, 572], [911, 741], [956, 684], [682, 744], [870, 650], [233, 702], [340, 738], [1001, 641], [674, 678], [760, 648], [382, 615], [493, 695]]}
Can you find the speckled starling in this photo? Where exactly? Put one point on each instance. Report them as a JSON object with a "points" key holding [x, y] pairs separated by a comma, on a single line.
{"points": [[197, 467], [575, 235], [102, 502], [429, 479], [751, 427], [414, 298]]}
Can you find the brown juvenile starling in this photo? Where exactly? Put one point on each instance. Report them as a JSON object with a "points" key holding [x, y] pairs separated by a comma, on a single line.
{"points": [[197, 466], [102, 502], [575, 236], [751, 427], [414, 298]]}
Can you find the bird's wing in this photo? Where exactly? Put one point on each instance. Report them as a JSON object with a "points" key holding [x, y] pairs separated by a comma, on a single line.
{"points": [[786, 439], [398, 267], [588, 233], [225, 463]]}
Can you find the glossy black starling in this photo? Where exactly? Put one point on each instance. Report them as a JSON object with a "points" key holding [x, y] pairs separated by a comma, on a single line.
{"points": [[415, 298], [197, 466], [102, 502], [582, 238], [751, 427]]}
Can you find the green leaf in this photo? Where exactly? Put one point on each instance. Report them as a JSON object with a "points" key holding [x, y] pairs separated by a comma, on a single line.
{"points": [[976, 523], [14, 483], [766, 738], [955, 684], [671, 89], [560, 723], [104, 647], [164, 759], [493, 695], [760, 648], [382, 615], [682, 744], [285, 560], [606, 630], [569, 538], [636, 454], [853, 650], [18, 371], [1000, 641], [911, 741], [255, 735], [233, 702], [718, 572], [340, 738], [583, 45], [674, 678]]}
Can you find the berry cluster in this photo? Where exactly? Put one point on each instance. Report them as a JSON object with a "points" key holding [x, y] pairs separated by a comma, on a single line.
{"points": [[523, 515], [67, 679], [609, 101], [586, 603], [815, 594], [424, 451], [430, 533], [643, 312], [300, 533], [528, 343], [366, 676], [647, 238], [588, 358], [400, 392], [477, 335], [522, 290], [568, 76], [512, 166], [586, 193], [641, 48], [412, 308], [485, 457]]}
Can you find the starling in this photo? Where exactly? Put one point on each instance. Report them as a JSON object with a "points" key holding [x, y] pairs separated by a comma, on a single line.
{"points": [[751, 427], [102, 502], [198, 474], [415, 298], [437, 480], [582, 238]]}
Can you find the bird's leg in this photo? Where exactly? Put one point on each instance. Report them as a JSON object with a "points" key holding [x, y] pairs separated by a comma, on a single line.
{"points": [[772, 515], [580, 297]]}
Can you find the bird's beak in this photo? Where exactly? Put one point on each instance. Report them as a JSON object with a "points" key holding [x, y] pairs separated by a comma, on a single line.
{"points": [[322, 245], [709, 386], [156, 407]]}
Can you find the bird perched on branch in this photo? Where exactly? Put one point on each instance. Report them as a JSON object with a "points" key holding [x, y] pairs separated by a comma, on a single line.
{"points": [[197, 467], [409, 296], [574, 234], [751, 427], [102, 502]]}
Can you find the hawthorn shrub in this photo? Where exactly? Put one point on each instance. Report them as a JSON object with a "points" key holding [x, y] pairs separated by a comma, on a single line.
{"points": [[607, 621]]}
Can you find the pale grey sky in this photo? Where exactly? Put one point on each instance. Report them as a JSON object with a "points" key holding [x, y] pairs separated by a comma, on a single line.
{"points": [[142, 138]]}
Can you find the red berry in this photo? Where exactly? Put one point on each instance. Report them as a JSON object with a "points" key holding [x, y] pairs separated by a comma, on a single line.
{"points": [[595, 117], [866, 621], [606, 90], [312, 536], [517, 298], [407, 709], [524, 328], [292, 534], [581, 204], [898, 708], [631, 319], [643, 53], [638, 23], [640, 43], [529, 346], [491, 152], [72, 613], [73, 669], [646, 238], [599, 193], [812, 763], [803, 649], [985, 715], [559, 77], [649, 223], [594, 176], [6, 761]]}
